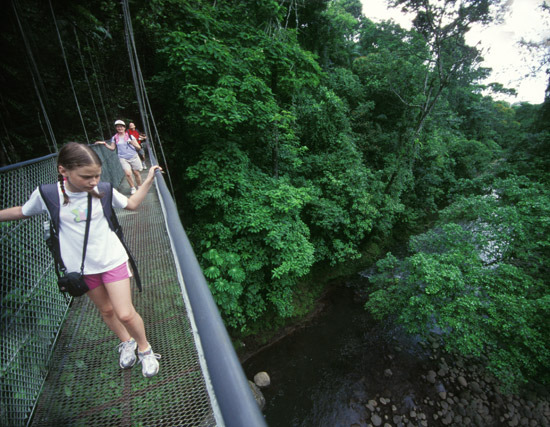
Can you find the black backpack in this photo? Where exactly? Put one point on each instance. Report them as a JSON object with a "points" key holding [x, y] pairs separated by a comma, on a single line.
{"points": [[50, 195]]}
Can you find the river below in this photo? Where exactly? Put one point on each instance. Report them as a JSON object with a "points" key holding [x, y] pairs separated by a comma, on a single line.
{"points": [[342, 368]]}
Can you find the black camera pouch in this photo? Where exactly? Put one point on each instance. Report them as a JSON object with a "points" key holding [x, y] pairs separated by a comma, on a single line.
{"points": [[73, 284], [70, 283]]}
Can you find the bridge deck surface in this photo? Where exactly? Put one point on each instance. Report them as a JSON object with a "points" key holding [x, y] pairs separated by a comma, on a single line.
{"points": [[85, 385]]}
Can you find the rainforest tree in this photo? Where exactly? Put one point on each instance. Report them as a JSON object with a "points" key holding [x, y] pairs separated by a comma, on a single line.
{"points": [[299, 132], [480, 277]]}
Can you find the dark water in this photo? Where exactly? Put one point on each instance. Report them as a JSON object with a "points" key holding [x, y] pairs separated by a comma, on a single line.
{"points": [[323, 374]]}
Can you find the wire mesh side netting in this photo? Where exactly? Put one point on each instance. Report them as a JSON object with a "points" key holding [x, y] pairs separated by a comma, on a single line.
{"points": [[32, 308]]}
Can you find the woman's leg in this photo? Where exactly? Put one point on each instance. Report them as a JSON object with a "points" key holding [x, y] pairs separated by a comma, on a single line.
{"points": [[100, 298], [129, 178], [121, 299], [137, 177], [127, 171]]}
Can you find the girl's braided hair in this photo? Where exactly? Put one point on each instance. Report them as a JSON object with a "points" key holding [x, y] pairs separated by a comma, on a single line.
{"points": [[74, 155]]}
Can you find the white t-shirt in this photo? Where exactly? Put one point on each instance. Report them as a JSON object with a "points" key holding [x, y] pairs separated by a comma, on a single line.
{"points": [[104, 251]]}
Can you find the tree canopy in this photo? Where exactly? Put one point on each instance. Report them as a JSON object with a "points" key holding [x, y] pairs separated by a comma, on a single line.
{"points": [[299, 134]]}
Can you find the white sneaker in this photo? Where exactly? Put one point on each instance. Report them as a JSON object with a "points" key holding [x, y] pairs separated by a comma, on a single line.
{"points": [[133, 190], [149, 362], [127, 350]]}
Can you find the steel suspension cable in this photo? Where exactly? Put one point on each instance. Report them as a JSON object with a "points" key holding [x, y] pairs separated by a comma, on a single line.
{"points": [[138, 87], [128, 32], [97, 83], [46, 118], [8, 147], [132, 58], [157, 133], [148, 105], [68, 72], [17, 11], [42, 127], [35, 73], [100, 128], [141, 92]]}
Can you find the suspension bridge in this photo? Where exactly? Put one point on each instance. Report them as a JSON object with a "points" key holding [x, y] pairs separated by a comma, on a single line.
{"points": [[58, 360], [59, 364]]}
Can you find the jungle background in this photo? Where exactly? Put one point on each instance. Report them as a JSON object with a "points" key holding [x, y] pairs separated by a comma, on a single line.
{"points": [[304, 139]]}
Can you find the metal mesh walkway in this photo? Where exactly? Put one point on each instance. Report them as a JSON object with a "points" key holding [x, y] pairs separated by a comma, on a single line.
{"points": [[86, 387]]}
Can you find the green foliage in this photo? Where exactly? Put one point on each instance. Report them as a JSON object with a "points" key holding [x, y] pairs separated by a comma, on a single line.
{"points": [[529, 155], [486, 120], [227, 72], [479, 277], [277, 182], [343, 209], [258, 247], [298, 132]]}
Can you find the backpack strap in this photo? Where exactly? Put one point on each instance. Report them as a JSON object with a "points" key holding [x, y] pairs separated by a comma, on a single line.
{"points": [[106, 188], [50, 195], [127, 139]]}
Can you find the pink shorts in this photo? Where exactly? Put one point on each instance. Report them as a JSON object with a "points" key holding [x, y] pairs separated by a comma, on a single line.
{"points": [[118, 273]]}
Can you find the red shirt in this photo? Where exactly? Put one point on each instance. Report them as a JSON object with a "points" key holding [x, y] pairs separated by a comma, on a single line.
{"points": [[135, 134]]}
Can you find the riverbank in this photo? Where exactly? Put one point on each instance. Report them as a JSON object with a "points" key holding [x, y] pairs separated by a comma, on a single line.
{"points": [[314, 298], [251, 346], [339, 367], [458, 392]]}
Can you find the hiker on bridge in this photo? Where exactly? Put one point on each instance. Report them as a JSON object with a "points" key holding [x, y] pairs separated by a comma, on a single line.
{"points": [[127, 148], [105, 264], [140, 137]]}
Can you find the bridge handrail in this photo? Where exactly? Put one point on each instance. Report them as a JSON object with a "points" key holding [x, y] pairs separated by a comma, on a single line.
{"points": [[231, 388]]}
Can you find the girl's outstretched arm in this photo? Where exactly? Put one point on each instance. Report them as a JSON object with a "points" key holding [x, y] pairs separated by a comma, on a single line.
{"points": [[111, 146], [135, 200], [11, 214]]}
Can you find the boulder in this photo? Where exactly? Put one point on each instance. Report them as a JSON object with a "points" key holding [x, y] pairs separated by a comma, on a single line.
{"points": [[258, 395], [475, 388], [261, 379]]}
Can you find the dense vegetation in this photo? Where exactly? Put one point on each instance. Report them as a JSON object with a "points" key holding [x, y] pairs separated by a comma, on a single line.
{"points": [[299, 132]]}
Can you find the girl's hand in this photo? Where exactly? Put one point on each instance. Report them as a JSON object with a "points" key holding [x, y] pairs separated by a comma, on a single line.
{"points": [[153, 170], [135, 199], [100, 142]]}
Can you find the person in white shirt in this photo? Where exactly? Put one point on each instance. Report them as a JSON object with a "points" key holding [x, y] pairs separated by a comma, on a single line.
{"points": [[107, 277]]}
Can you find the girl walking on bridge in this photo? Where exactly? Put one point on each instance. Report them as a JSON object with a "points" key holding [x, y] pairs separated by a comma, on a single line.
{"points": [[106, 271], [127, 148]]}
